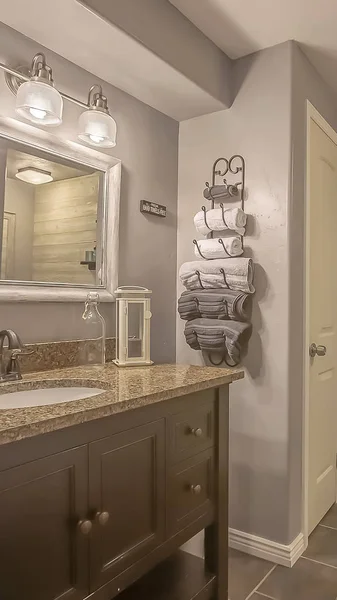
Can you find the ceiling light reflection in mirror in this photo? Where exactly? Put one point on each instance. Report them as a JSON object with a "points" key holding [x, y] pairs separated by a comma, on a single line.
{"points": [[34, 175]]}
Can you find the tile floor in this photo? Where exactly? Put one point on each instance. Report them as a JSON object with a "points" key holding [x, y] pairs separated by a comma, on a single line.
{"points": [[313, 577]]}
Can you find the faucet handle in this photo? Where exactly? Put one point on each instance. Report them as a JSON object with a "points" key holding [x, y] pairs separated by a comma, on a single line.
{"points": [[21, 352], [13, 369]]}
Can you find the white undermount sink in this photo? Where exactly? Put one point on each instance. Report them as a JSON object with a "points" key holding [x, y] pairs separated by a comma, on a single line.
{"points": [[45, 396]]}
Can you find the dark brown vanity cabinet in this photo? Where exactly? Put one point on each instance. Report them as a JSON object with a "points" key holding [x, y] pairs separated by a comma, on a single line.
{"points": [[87, 511], [71, 521]]}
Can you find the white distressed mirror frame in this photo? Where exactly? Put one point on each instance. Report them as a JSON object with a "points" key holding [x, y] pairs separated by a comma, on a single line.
{"points": [[41, 140]]}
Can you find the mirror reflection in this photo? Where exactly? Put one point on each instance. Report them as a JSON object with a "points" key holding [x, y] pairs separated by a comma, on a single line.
{"points": [[52, 219]]}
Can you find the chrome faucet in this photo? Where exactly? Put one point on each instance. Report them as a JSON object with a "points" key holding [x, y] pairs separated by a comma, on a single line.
{"points": [[11, 370]]}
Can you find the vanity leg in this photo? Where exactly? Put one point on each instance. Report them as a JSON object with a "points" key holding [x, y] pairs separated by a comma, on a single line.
{"points": [[216, 535]]}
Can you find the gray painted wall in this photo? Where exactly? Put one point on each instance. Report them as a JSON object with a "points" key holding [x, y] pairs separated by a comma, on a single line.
{"points": [[147, 144], [267, 124], [258, 127]]}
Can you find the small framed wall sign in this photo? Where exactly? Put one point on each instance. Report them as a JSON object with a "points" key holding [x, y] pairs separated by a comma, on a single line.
{"points": [[151, 208]]}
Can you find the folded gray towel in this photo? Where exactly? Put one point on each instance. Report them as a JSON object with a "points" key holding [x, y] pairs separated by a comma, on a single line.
{"points": [[214, 304], [226, 337]]}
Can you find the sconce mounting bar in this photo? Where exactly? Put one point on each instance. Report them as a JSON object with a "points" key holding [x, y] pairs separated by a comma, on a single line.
{"points": [[16, 73]]}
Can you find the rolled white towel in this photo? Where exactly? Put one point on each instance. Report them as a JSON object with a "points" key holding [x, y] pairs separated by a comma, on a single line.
{"points": [[218, 248], [232, 273], [235, 219]]}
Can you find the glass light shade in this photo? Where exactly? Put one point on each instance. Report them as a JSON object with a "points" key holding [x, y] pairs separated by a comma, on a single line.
{"points": [[34, 175], [97, 128], [39, 103]]}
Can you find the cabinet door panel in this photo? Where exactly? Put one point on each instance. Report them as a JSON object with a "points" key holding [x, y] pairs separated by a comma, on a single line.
{"points": [[43, 556], [127, 480]]}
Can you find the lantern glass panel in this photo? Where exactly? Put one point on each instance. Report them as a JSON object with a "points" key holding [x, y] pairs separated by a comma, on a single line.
{"points": [[135, 329]]}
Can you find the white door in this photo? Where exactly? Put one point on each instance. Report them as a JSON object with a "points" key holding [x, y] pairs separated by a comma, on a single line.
{"points": [[322, 289]]}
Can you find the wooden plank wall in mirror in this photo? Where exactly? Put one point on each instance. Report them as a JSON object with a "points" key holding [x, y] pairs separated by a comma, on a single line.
{"points": [[58, 214], [50, 227]]}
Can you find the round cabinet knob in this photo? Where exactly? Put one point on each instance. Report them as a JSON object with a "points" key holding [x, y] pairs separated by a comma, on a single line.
{"points": [[197, 432], [102, 517], [196, 489], [85, 526]]}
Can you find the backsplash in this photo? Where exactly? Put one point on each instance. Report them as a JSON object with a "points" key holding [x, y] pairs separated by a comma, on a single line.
{"points": [[57, 355]]}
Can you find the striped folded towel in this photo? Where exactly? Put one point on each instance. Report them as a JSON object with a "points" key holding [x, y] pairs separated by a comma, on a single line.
{"points": [[214, 304], [223, 337]]}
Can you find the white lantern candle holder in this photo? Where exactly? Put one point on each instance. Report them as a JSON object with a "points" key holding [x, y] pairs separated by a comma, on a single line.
{"points": [[133, 316]]}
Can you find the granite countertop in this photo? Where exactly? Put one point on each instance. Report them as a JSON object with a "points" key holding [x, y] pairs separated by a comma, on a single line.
{"points": [[126, 389]]}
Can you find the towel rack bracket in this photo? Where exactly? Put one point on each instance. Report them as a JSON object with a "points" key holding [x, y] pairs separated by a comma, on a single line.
{"points": [[222, 359], [235, 165]]}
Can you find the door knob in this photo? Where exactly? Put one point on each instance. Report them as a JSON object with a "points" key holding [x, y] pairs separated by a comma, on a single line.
{"points": [[102, 517], [196, 489], [319, 350], [85, 526], [197, 432]]}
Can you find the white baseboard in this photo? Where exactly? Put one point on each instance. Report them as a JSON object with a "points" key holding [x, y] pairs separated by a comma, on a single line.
{"points": [[280, 554]]}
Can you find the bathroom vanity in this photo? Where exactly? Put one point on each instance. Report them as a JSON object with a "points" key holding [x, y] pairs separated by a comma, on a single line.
{"points": [[97, 495]]}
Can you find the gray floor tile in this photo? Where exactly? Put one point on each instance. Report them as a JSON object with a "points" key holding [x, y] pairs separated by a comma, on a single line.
{"points": [[323, 546], [330, 519], [307, 580], [245, 572]]}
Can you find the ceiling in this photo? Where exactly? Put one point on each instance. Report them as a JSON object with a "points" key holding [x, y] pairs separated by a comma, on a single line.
{"points": [[103, 49], [18, 160], [240, 27]]}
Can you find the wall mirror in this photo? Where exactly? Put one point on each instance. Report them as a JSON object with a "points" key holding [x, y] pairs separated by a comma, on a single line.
{"points": [[59, 207]]}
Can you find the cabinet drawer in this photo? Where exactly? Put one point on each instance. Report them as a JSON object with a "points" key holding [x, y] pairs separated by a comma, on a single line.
{"points": [[191, 431], [190, 490]]}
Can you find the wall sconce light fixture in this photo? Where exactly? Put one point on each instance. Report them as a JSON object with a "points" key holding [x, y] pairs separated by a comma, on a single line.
{"points": [[96, 126], [38, 101]]}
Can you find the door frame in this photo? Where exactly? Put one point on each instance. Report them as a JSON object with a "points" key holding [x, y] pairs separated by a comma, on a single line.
{"points": [[311, 114], [11, 248]]}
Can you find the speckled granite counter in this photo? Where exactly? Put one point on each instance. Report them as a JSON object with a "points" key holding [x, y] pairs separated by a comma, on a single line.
{"points": [[126, 389], [59, 355]]}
